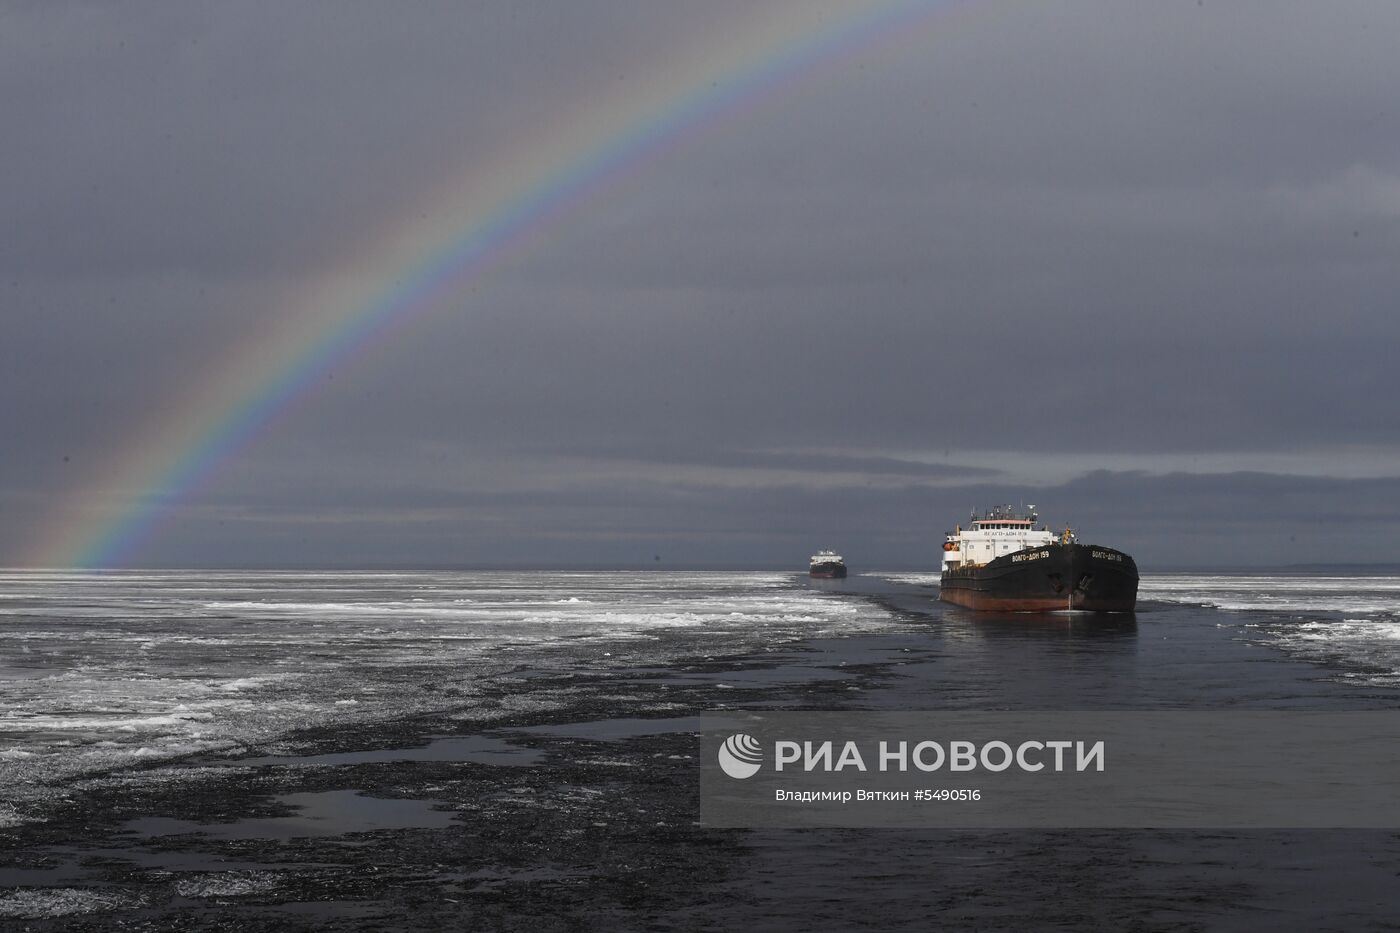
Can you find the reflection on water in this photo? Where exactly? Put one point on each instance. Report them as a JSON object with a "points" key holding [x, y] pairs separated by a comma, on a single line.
{"points": [[1164, 655], [1115, 625]]}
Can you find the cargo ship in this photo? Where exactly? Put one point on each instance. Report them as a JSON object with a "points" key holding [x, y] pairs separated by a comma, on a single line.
{"points": [[1006, 561], [828, 565]]}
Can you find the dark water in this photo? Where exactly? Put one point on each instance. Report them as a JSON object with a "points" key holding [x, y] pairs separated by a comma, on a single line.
{"points": [[1168, 655], [1173, 653], [112, 677]]}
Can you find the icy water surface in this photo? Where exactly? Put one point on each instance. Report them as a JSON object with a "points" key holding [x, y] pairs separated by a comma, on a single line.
{"points": [[1348, 624], [103, 670], [583, 769]]}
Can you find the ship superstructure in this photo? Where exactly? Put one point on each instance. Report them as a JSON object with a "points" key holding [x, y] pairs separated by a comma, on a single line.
{"points": [[997, 532]]}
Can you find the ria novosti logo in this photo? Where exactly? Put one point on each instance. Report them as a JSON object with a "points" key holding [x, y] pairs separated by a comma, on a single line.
{"points": [[741, 756]]}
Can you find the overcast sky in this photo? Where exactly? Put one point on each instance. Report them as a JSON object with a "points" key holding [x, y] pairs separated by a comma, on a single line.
{"points": [[1136, 263]]}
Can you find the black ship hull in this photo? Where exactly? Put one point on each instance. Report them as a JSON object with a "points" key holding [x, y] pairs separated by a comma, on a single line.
{"points": [[829, 571], [1051, 577]]}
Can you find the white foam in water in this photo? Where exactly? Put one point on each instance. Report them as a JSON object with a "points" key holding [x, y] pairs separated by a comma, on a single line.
{"points": [[1301, 593], [913, 579], [62, 902], [227, 884], [1347, 622], [111, 669]]}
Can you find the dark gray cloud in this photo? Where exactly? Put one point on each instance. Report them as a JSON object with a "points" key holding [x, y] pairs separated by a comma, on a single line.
{"points": [[982, 262], [1169, 522]]}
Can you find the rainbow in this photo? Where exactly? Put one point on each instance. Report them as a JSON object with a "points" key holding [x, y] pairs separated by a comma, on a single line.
{"points": [[461, 230]]}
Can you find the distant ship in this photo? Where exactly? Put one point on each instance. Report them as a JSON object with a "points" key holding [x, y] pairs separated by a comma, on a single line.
{"points": [[828, 565], [1005, 561]]}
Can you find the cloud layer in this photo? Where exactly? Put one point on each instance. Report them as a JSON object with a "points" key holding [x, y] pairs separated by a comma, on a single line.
{"points": [[1135, 264]]}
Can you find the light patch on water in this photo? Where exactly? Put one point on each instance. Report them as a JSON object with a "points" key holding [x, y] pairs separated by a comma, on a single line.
{"points": [[9, 816], [1373, 645], [909, 579], [1276, 592], [227, 884], [1348, 623], [43, 903]]}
